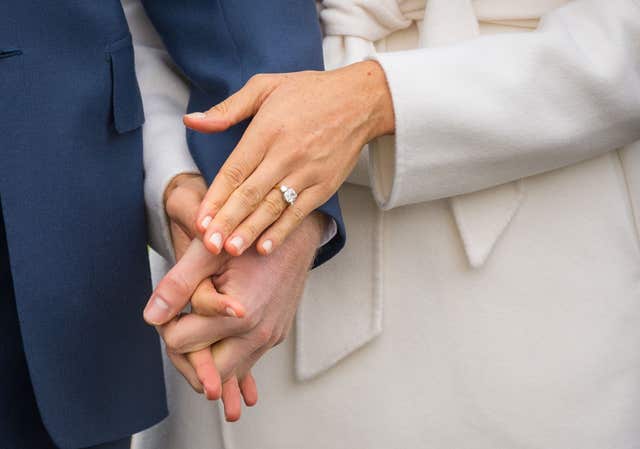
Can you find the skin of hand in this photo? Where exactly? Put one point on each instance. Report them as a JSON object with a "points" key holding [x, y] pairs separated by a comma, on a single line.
{"points": [[271, 289], [307, 131], [267, 289], [181, 199]]}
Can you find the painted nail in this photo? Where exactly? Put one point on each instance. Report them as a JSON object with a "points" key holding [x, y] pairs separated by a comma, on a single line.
{"points": [[237, 242], [267, 246], [216, 239], [197, 115], [157, 311], [230, 312], [206, 221]]}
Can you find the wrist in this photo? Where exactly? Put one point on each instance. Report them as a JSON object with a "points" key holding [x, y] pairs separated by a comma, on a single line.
{"points": [[314, 227], [378, 104], [300, 247]]}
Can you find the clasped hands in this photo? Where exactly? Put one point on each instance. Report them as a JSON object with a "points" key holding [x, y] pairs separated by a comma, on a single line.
{"points": [[241, 306], [307, 131]]}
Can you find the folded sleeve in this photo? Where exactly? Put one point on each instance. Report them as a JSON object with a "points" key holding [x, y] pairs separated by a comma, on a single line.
{"points": [[165, 95], [503, 107]]}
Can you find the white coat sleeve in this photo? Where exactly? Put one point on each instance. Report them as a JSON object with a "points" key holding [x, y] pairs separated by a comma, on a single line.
{"points": [[503, 107]]}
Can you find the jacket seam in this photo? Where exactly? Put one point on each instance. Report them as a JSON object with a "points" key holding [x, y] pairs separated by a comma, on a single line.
{"points": [[234, 42]]}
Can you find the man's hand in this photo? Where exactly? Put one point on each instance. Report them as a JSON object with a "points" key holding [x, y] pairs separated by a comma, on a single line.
{"points": [[269, 289], [182, 198]]}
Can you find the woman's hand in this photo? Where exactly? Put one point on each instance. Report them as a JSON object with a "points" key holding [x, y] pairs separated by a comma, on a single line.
{"points": [[306, 134]]}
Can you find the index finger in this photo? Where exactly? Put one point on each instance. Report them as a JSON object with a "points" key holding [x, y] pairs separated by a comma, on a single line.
{"points": [[242, 162]]}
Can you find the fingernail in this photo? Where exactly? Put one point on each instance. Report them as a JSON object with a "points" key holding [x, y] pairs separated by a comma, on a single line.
{"points": [[216, 239], [267, 246], [197, 115], [157, 311], [205, 222], [230, 312], [237, 242]]}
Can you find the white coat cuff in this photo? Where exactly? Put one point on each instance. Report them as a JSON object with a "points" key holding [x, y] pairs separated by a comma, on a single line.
{"points": [[159, 175], [329, 233], [386, 153]]}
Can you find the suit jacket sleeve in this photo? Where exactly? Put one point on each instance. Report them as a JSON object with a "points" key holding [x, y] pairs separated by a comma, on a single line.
{"points": [[503, 107], [219, 45], [165, 95]]}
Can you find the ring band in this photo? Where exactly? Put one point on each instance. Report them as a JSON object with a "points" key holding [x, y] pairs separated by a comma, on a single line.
{"points": [[289, 194]]}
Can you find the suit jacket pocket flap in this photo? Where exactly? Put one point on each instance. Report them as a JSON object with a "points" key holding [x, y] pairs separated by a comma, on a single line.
{"points": [[128, 113]]}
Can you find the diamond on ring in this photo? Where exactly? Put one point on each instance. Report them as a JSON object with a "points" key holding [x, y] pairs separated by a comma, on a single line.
{"points": [[289, 194]]}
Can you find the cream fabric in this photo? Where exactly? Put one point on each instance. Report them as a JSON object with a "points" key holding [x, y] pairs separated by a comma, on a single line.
{"points": [[472, 116]]}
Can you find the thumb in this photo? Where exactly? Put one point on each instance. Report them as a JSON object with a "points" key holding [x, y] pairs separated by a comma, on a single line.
{"points": [[243, 104], [175, 290]]}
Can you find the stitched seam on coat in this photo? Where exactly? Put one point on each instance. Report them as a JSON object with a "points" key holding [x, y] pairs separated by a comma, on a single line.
{"points": [[375, 323], [629, 199], [378, 272], [467, 236]]}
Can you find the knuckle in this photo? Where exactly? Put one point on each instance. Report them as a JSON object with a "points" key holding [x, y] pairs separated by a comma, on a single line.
{"points": [[173, 342], [211, 206], [251, 230], [199, 303], [325, 190], [223, 107], [233, 175], [251, 321], [249, 195], [175, 282], [264, 335], [262, 79], [276, 233], [298, 149], [297, 214], [279, 339], [315, 174], [227, 223], [174, 202], [258, 78], [273, 206]]}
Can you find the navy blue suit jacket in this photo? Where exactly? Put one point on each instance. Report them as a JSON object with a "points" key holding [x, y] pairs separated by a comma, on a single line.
{"points": [[71, 180]]}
